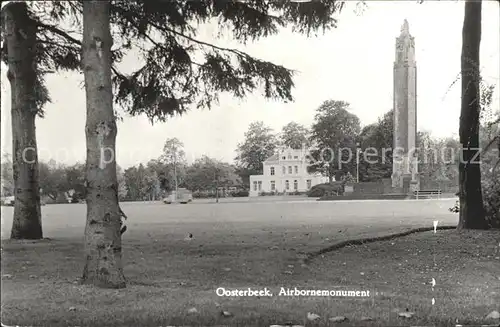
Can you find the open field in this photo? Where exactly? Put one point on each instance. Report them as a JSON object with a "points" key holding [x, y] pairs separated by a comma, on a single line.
{"points": [[257, 245], [299, 214]]}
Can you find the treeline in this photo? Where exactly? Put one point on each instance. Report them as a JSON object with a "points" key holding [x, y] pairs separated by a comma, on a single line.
{"points": [[334, 127], [206, 177]]}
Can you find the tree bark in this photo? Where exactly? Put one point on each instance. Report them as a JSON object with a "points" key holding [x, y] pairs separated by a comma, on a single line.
{"points": [[472, 215], [103, 251], [20, 39]]}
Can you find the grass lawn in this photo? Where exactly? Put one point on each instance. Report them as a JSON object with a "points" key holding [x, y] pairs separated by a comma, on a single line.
{"points": [[257, 245]]}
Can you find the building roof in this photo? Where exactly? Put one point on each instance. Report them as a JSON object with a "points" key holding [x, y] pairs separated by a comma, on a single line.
{"points": [[274, 157]]}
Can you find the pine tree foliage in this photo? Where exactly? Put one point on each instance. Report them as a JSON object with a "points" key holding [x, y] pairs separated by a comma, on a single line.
{"points": [[179, 70]]}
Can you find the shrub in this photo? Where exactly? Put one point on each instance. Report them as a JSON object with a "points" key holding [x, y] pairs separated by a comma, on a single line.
{"points": [[318, 190], [325, 189], [276, 193], [491, 199], [240, 193], [203, 195], [456, 207]]}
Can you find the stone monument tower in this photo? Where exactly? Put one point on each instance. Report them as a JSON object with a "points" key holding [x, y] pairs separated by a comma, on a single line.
{"points": [[405, 176]]}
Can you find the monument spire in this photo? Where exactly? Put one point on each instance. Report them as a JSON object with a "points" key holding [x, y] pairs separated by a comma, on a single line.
{"points": [[405, 29], [404, 171]]}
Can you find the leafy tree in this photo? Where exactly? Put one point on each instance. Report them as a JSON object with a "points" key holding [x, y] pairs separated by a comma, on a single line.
{"points": [[132, 183], [295, 136], [196, 177], [171, 80], [488, 136], [174, 159], [122, 186], [222, 178], [472, 214], [259, 144], [75, 176], [368, 171], [489, 141], [437, 158], [335, 129], [489, 130], [210, 174], [140, 182], [6, 176], [451, 157], [53, 180], [376, 141], [232, 178], [173, 151], [163, 175], [151, 185]]}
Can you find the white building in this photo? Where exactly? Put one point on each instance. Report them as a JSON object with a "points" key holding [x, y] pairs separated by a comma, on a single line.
{"points": [[285, 172]]}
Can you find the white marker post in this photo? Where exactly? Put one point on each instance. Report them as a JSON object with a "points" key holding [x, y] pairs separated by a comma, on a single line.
{"points": [[433, 283]]}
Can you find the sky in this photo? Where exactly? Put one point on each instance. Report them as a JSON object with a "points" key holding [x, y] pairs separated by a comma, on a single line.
{"points": [[353, 63]]}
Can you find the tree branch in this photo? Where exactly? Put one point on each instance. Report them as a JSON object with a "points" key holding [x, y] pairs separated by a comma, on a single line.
{"points": [[71, 39], [57, 31], [166, 29]]}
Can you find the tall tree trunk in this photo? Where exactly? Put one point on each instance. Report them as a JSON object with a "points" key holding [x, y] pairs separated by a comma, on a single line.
{"points": [[472, 215], [103, 251], [20, 38]]}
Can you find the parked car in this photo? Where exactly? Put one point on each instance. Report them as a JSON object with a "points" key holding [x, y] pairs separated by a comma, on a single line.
{"points": [[181, 196]]}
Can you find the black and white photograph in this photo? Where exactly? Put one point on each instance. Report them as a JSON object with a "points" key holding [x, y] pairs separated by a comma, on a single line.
{"points": [[250, 163]]}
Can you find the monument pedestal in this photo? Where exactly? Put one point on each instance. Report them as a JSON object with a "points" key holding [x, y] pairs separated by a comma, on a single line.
{"points": [[405, 183], [415, 183]]}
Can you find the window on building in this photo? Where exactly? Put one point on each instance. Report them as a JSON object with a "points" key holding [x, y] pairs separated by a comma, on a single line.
{"points": [[296, 169], [296, 157], [287, 185], [295, 185], [289, 156], [260, 185], [289, 169], [255, 186], [308, 184], [273, 185], [272, 170], [284, 170], [284, 158]]}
